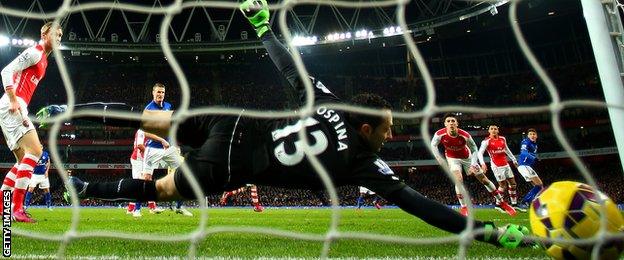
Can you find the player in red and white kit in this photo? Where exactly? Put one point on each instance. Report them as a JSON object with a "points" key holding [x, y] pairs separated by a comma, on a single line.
{"points": [[459, 149], [20, 79], [499, 153], [255, 200], [136, 161]]}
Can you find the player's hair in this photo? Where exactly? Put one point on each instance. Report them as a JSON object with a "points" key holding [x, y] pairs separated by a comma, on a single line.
{"points": [[450, 115], [531, 130], [46, 27], [158, 85], [367, 100], [493, 124]]}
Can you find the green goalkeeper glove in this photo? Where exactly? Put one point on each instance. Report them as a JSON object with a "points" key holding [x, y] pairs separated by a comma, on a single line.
{"points": [[257, 12]]}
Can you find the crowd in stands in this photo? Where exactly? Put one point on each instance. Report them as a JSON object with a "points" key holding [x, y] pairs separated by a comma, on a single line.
{"points": [[250, 82]]}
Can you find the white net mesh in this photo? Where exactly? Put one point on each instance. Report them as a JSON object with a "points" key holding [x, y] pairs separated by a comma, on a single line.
{"points": [[333, 233]]}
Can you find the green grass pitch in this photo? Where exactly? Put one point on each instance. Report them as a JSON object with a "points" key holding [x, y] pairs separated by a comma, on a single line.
{"points": [[393, 222]]}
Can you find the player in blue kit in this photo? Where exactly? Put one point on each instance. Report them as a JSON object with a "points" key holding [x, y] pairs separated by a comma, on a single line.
{"points": [[40, 178], [158, 150], [528, 156]]}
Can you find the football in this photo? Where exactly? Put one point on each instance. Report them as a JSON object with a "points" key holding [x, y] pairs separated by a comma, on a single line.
{"points": [[568, 210]]}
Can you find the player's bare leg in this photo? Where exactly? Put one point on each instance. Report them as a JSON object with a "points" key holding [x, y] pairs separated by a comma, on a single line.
{"points": [[156, 122], [536, 181], [166, 189]]}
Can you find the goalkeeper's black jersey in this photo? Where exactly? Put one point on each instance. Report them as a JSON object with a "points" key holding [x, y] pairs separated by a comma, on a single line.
{"points": [[341, 151], [270, 151]]}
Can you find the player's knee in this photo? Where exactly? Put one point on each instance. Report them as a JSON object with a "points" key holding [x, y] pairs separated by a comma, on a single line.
{"points": [[537, 181], [166, 189], [36, 151], [19, 154]]}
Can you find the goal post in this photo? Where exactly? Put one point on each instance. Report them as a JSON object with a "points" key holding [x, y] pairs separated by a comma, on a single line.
{"points": [[605, 27]]}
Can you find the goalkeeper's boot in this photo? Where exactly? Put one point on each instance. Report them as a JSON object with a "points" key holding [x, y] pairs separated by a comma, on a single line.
{"points": [[47, 112], [257, 12], [79, 185]]}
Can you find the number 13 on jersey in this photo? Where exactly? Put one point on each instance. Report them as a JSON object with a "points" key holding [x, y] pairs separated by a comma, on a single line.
{"points": [[318, 142]]}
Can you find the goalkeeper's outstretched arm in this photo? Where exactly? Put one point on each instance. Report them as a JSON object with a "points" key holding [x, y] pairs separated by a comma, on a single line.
{"points": [[257, 13], [442, 217]]}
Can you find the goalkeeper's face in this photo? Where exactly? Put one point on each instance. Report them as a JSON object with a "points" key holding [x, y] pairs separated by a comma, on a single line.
{"points": [[377, 136]]}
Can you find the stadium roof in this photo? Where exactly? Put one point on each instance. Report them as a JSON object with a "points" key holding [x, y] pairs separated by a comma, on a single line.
{"points": [[200, 26]]}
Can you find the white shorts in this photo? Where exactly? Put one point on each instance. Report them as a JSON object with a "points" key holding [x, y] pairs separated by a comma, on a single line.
{"points": [[39, 179], [364, 190], [456, 164], [137, 169], [11, 123], [153, 157], [527, 172], [502, 173]]}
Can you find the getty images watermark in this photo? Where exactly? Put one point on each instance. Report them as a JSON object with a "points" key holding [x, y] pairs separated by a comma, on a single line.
{"points": [[6, 223]]}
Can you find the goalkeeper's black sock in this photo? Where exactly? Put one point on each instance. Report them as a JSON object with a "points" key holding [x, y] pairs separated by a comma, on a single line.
{"points": [[124, 190]]}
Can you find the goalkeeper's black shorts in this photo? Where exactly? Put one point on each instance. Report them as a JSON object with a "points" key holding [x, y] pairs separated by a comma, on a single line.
{"points": [[215, 154]]}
